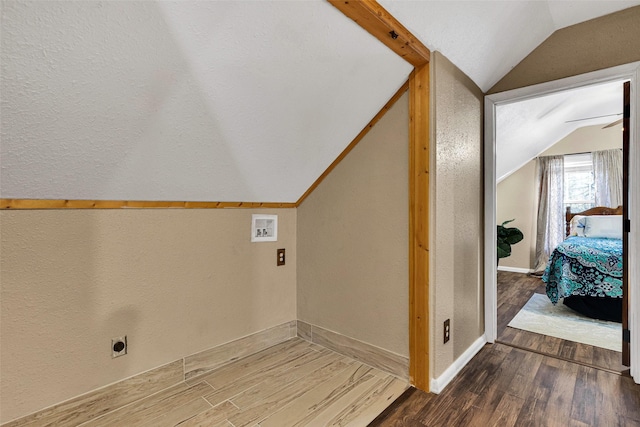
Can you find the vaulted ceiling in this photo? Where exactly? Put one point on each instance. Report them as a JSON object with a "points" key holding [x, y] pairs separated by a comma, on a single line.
{"points": [[225, 101], [487, 38], [527, 128], [221, 100]]}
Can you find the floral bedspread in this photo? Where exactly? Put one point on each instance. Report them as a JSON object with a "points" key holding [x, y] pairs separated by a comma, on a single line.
{"points": [[585, 266]]}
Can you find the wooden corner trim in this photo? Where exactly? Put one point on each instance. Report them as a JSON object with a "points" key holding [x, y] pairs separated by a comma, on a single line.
{"points": [[374, 18], [27, 204], [378, 22], [419, 146], [355, 141]]}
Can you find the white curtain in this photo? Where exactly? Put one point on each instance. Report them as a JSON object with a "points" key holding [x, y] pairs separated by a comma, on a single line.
{"points": [[551, 227], [607, 173]]}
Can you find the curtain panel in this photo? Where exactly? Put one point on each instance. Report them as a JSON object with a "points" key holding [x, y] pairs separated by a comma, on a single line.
{"points": [[607, 173], [550, 227]]}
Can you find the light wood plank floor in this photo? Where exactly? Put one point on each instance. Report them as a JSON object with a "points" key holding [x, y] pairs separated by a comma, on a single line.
{"points": [[514, 290], [295, 383]]}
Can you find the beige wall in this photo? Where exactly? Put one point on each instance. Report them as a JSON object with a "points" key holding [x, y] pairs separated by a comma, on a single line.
{"points": [[174, 281], [592, 45], [517, 194], [456, 242], [586, 139], [516, 199], [353, 240]]}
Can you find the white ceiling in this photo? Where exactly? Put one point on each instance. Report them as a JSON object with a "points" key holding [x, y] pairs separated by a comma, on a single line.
{"points": [[525, 129], [226, 101], [221, 100], [487, 38]]}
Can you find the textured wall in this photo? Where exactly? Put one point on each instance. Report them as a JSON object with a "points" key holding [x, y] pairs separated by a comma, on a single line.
{"points": [[517, 195], [353, 241], [195, 100], [516, 199], [456, 245], [174, 281], [593, 45]]}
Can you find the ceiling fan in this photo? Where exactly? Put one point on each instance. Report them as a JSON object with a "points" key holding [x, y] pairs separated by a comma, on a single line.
{"points": [[612, 124]]}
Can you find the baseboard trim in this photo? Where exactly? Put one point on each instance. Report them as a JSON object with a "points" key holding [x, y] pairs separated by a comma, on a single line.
{"points": [[113, 396], [101, 401], [376, 357], [438, 384], [516, 269], [215, 357], [105, 399]]}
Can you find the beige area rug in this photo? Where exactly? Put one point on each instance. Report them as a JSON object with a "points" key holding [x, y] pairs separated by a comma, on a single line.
{"points": [[539, 315]]}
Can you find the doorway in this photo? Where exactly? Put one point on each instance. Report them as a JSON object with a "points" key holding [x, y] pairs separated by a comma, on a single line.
{"points": [[492, 102]]}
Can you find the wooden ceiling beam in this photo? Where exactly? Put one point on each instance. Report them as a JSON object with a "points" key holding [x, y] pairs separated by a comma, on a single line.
{"points": [[382, 25]]}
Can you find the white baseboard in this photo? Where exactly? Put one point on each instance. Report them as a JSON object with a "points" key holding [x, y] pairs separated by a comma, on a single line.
{"points": [[438, 384], [515, 269]]}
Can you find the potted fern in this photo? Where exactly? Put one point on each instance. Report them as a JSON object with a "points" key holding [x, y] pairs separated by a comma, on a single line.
{"points": [[507, 236]]}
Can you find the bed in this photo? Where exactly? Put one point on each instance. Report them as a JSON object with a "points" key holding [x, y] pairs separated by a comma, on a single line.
{"points": [[585, 270]]}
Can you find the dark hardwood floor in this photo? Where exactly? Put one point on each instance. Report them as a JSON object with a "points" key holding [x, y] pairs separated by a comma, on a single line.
{"points": [[506, 386], [526, 380], [514, 290]]}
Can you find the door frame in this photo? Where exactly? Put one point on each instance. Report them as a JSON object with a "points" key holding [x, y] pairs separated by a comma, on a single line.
{"points": [[629, 72]]}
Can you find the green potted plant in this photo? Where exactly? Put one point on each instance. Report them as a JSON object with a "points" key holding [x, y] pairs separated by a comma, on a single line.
{"points": [[507, 236]]}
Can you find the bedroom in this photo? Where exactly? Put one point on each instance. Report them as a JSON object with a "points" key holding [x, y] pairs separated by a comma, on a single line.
{"points": [[578, 123]]}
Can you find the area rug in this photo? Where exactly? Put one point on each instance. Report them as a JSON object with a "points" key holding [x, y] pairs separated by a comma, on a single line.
{"points": [[539, 315]]}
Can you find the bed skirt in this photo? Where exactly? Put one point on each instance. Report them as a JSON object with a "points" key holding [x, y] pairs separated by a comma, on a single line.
{"points": [[603, 308]]}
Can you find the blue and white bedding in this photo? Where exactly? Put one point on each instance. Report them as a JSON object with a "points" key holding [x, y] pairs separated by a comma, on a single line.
{"points": [[585, 266]]}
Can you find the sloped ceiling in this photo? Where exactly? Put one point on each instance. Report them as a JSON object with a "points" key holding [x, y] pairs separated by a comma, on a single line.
{"points": [[485, 39], [527, 128], [213, 101], [221, 100]]}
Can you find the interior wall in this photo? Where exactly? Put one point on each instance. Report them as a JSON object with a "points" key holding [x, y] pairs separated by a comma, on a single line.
{"points": [[587, 139], [353, 240], [516, 199], [175, 281], [517, 194], [456, 224], [589, 46]]}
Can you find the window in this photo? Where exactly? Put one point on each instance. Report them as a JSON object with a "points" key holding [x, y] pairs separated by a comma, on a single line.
{"points": [[579, 185]]}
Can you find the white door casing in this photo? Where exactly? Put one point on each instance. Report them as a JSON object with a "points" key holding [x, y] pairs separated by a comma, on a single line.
{"points": [[629, 72]]}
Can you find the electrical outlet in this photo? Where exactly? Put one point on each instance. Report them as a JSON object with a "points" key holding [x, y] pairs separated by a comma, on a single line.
{"points": [[447, 331], [281, 257], [118, 346]]}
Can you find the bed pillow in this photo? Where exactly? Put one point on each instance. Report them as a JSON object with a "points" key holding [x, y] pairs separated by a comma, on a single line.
{"points": [[604, 226], [576, 226]]}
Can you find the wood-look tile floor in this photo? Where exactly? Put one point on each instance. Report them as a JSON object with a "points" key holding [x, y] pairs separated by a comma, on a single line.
{"points": [[514, 290], [295, 383], [507, 387], [529, 380]]}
